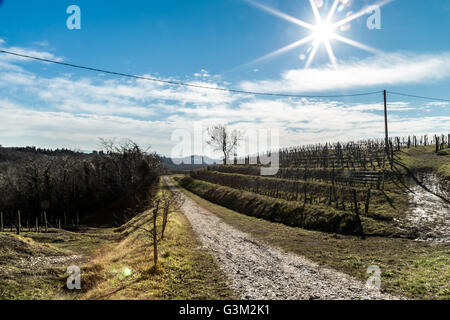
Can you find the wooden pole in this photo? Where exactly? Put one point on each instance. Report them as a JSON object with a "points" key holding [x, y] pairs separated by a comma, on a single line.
{"points": [[386, 126], [1, 221], [358, 219], [45, 222], [155, 234], [18, 222], [367, 201]]}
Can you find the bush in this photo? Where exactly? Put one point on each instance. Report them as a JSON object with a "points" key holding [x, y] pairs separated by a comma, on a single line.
{"points": [[295, 214], [70, 185]]}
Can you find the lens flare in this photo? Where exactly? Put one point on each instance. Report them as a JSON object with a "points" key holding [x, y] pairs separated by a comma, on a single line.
{"points": [[323, 31]]}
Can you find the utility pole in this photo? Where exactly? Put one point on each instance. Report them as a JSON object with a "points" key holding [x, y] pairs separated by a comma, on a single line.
{"points": [[386, 126]]}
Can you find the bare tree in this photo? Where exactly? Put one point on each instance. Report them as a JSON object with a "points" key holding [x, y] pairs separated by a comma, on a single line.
{"points": [[69, 185], [170, 203], [153, 231], [223, 140]]}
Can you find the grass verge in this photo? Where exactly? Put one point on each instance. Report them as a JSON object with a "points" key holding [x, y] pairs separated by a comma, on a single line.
{"points": [[186, 271], [424, 158]]}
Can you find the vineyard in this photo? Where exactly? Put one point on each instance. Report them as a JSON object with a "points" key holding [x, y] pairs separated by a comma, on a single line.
{"points": [[356, 188]]}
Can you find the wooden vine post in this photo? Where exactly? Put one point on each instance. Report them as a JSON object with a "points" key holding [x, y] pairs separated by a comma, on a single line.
{"points": [[367, 201], [155, 234], [358, 219], [18, 227], [45, 222]]}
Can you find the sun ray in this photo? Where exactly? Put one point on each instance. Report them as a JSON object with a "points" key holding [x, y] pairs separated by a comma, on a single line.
{"points": [[332, 11], [282, 15], [330, 53], [284, 49], [364, 11], [356, 44], [315, 11], [312, 54], [322, 32]]}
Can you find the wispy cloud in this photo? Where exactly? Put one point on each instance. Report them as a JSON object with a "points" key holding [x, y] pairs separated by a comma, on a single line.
{"points": [[388, 69]]}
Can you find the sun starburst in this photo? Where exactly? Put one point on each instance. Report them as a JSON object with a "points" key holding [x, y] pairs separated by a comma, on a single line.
{"points": [[322, 32]]}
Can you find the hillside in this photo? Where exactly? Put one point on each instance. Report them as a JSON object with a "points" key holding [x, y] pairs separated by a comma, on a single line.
{"points": [[116, 263], [403, 228]]}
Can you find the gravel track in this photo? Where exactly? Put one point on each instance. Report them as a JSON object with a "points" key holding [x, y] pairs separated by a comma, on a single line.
{"points": [[260, 272]]}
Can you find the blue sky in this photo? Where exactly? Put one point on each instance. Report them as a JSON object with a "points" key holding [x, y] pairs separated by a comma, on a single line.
{"points": [[214, 43]]}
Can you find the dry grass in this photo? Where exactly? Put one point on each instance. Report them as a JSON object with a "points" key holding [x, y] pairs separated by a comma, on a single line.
{"points": [[115, 264], [31, 268], [185, 271]]}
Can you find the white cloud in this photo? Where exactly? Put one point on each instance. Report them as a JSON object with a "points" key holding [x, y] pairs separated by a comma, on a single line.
{"points": [[438, 104], [43, 43], [73, 112], [387, 69]]}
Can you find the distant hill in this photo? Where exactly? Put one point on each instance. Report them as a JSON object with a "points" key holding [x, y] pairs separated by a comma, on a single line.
{"points": [[188, 163]]}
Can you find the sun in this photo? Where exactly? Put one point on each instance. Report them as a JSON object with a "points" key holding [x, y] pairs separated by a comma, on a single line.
{"points": [[322, 32]]}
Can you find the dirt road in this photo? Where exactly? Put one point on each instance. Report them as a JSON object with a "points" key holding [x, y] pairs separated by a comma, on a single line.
{"points": [[259, 271]]}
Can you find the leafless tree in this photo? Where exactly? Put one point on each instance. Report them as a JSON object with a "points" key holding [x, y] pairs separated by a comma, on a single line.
{"points": [[171, 202], [70, 184], [223, 140]]}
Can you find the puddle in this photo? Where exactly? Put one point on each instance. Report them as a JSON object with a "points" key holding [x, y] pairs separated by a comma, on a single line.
{"points": [[429, 215]]}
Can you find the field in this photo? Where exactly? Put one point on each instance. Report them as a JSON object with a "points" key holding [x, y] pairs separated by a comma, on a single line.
{"points": [[116, 263], [352, 190], [347, 210], [345, 207], [416, 270]]}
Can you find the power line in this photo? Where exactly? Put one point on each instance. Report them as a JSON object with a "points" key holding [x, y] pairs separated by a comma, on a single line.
{"points": [[184, 84], [418, 97]]}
